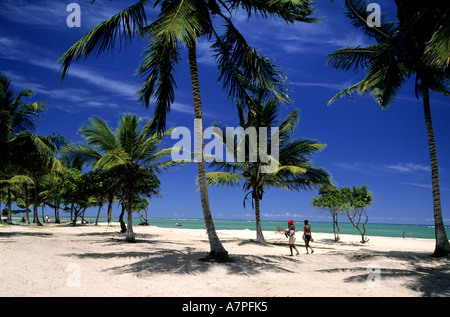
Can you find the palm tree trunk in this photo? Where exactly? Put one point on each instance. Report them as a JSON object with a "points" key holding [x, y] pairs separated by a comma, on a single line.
{"points": [[130, 237], [123, 227], [35, 207], [9, 218], [334, 226], [27, 203], [259, 233], [57, 212], [98, 213], [442, 245], [217, 251], [110, 202]]}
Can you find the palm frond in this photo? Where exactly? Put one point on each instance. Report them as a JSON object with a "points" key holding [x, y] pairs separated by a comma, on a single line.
{"points": [[356, 10], [85, 153], [128, 133], [291, 169], [159, 167], [162, 55], [348, 92], [97, 133], [241, 68], [112, 159], [223, 179], [437, 52], [125, 25], [353, 58], [289, 11]]}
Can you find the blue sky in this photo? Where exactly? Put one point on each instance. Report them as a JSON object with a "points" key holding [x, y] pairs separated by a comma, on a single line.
{"points": [[385, 150]]}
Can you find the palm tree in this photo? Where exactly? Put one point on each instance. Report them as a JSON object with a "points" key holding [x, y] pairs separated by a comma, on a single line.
{"points": [[17, 122], [40, 163], [131, 151], [182, 22], [10, 179], [16, 117], [401, 51], [292, 170]]}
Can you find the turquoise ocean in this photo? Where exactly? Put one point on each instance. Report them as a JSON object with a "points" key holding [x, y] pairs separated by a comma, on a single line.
{"points": [[373, 229]]}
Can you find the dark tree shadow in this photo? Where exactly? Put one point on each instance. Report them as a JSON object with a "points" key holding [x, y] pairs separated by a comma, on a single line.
{"points": [[24, 234], [427, 275], [188, 261], [116, 237]]}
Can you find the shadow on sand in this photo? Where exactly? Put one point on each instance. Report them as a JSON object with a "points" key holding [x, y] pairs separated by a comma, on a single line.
{"points": [[187, 261], [425, 274]]}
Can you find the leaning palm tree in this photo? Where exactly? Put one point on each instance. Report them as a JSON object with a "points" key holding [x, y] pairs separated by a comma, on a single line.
{"points": [[130, 150], [290, 168], [180, 23], [402, 50]]}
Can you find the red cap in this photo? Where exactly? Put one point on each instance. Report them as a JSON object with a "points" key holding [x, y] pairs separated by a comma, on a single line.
{"points": [[291, 222]]}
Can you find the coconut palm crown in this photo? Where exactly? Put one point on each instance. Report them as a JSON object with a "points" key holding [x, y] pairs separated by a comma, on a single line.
{"points": [[131, 150], [290, 169]]}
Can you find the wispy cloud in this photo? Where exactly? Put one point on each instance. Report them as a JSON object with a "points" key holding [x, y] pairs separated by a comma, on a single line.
{"points": [[409, 167], [378, 169], [179, 107], [429, 186], [204, 53], [364, 168], [417, 184], [14, 48], [332, 86], [53, 14]]}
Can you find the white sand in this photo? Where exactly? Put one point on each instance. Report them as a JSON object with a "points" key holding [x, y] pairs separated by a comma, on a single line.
{"points": [[96, 261]]}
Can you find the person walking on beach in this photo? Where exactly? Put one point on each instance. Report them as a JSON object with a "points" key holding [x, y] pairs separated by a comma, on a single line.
{"points": [[290, 233], [307, 236]]}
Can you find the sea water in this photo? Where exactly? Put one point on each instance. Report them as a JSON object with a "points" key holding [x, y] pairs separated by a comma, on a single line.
{"points": [[373, 229]]}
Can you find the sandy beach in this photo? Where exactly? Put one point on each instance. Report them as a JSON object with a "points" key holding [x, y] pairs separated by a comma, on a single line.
{"points": [[58, 260]]}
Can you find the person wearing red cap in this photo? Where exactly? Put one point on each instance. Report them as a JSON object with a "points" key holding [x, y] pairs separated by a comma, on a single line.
{"points": [[290, 233]]}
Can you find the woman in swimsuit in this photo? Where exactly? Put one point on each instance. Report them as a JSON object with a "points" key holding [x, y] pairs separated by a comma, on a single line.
{"points": [[307, 236], [290, 233]]}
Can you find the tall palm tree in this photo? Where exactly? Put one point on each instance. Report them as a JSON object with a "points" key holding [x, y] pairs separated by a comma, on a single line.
{"points": [[402, 50], [17, 124], [181, 23], [292, 170], [130, 150]]}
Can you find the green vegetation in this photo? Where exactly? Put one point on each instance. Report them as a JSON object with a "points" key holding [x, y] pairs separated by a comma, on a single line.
{"points": [[132, 153], [349, 201]]}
